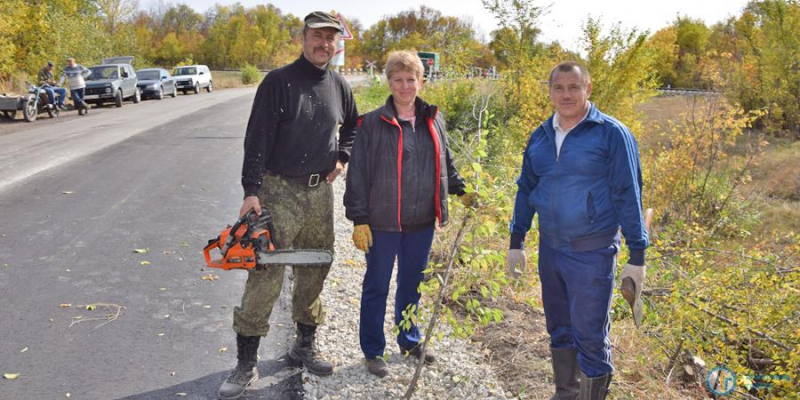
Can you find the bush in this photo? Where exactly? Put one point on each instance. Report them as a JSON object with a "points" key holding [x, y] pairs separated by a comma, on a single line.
{"points": [[250, 74], [371, 96]]}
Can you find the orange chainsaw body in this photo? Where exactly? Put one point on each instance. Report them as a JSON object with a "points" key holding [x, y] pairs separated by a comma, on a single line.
{"points": [[241, 250]]}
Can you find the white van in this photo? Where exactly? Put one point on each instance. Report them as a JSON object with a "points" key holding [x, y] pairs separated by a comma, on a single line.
{"points": [[193, 77]]}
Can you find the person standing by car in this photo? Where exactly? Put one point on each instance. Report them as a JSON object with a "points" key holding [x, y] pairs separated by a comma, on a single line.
{"points": [[400, 174], [581, 173], [77, 75], [291, 158], [47, 83]]}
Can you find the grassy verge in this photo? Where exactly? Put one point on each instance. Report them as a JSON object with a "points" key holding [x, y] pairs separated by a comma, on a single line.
{"points": [[230, 79], [15, 85]]}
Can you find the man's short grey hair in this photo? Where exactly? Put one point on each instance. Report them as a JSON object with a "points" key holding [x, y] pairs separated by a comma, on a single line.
{"points": [[567, 66]]}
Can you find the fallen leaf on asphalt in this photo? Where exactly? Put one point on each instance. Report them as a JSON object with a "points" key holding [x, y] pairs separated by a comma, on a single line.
{"points": [[11, 377], [224, 349], [23, 350], [184, 244], [67, 192], [173, 373], [206, 306], [145, 263], [91, 307], [141, 251], [5, 265], [180, 394], [161, 334], [166, 316], [78, 317], [350, 261], [68, 270], [65, 305], [67, 395], [167, 252], [163, 289], [210, 277]]}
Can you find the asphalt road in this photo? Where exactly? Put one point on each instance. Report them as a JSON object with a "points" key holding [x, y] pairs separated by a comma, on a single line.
{"points": [[77, 197]]}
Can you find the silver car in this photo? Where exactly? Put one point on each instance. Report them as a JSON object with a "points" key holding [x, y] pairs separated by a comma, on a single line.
{"points": [[114, 80]]}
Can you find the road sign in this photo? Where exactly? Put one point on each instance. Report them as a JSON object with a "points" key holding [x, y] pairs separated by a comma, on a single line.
{"points": [[338, 55], [371, 66], [346, 34]]}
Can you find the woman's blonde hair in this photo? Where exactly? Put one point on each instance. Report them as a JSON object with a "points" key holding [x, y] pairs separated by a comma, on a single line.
{"points": [[403, 60]]}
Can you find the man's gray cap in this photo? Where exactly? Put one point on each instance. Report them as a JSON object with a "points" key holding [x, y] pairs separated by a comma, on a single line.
{"points": [[50, 64], [319, 19]]}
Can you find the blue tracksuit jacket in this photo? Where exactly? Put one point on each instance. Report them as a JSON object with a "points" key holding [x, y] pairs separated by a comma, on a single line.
{"points": [[587, 192]]}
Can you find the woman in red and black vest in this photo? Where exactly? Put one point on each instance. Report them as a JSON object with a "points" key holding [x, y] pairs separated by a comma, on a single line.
{"points": [[399, 176]]}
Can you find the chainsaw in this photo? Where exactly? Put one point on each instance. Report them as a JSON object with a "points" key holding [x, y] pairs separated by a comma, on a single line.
{"points": [[249, 244]]}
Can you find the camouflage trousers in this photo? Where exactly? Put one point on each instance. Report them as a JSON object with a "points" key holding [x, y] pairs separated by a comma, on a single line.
{"points": [[303, 219]]}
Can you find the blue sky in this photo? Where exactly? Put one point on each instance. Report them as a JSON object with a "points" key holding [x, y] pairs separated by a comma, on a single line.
{"points": [[562, 23]]}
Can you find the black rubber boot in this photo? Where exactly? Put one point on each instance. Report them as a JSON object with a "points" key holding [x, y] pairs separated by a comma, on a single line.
{"points": [[594, 388], [245, 372], [304, 351], [567, 373]]}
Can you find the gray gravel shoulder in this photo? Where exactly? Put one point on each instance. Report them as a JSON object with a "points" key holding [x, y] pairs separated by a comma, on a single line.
{"points": [[460, 371]]}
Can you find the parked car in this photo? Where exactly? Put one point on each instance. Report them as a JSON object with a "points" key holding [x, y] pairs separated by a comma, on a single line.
{"points": [[114, 80], [194, 78], [156, 82]]}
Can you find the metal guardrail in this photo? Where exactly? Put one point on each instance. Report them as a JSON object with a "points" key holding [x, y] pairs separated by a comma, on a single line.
{"points": [[235, 70], [448, 75], [687, 92], [344, 71]]}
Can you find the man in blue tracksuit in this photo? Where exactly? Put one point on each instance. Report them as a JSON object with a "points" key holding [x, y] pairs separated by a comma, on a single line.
{"points": [[581, 174]]}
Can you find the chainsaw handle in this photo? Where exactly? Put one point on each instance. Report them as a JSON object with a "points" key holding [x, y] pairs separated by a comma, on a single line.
{"points": [[212, 244], [244, 220]]}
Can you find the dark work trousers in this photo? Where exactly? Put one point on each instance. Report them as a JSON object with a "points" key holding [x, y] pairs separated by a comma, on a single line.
{"points": [[576, 293], [77, 97], [411, 251]]}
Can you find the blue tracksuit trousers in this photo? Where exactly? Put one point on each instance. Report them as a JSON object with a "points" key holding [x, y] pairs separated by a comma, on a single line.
{"points": [[576, 293], [411, 251]]}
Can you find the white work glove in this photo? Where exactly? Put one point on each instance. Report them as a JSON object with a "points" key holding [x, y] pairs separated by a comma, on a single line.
{"points": [[633, 294], [514, 258]]}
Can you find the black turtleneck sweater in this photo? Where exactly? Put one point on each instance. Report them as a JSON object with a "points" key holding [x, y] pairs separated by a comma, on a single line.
{"points": [[292, 128]]}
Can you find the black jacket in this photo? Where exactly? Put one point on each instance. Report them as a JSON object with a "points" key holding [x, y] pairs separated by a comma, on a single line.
{"points": [[293, 123], [377, 193]]}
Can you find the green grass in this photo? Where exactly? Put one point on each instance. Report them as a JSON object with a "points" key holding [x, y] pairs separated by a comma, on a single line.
{"points": [[230, 79]]}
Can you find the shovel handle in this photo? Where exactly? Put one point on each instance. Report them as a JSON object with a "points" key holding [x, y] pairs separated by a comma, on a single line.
{"points": [[648, 219]]}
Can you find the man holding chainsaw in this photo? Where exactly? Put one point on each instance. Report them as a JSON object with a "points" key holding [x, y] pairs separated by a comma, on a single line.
{"points": [[292, 155], [581, 174]]}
